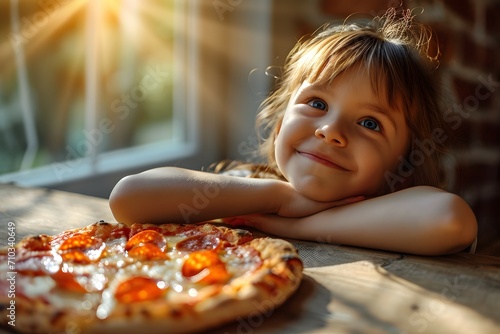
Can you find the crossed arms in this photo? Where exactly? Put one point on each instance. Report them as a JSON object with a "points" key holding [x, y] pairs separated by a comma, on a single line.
{"points": [[419, 220]]}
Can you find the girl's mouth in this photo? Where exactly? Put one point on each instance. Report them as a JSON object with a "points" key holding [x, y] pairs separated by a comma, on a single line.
{"points": [[322, 159]]}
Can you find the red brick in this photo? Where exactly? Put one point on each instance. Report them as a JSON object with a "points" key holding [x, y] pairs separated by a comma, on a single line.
{"points": [[476, 55], [492, 15], [487, 212], [463, 9], [489, 134], [468, 97], [462, 132], [473, 175]]}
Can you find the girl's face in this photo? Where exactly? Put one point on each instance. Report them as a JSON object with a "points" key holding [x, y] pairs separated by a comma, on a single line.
{"points": [[338, 141]]}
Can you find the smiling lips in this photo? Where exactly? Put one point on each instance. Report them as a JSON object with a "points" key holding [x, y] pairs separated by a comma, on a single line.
{"points": [[324, 160]]}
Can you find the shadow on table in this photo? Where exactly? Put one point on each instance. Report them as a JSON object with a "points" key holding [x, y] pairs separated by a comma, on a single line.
{"points": [[297, 315]]}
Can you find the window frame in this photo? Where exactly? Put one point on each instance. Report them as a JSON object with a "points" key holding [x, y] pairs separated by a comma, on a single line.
{"points": [[186, 118]]}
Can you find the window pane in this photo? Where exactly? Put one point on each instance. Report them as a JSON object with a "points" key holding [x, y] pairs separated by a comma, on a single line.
{"points": [[80, 78]]}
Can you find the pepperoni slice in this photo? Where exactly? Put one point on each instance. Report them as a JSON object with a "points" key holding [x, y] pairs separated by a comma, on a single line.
{"points": [[214, 275], [75, 256], [198, 261], [198, 242], [36, 243], [148, 252], [137, 228], [206, 267], [237, 236], [35, 246], [147, 237], [68, 282], [203, 229], [138, 289], [81, 248], [81, 241]]}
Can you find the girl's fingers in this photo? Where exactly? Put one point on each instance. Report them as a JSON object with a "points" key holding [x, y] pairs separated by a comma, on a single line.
{"points": [[259, 219]]}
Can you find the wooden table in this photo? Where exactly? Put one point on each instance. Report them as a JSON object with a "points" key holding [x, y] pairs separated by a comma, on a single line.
{"points": [[345, 289]]}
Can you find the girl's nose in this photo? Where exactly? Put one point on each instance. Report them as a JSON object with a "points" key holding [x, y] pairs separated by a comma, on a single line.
{"points": [[331, 134]]}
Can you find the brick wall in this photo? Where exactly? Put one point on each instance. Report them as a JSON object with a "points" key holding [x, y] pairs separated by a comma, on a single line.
{"points": [[469, 36]]}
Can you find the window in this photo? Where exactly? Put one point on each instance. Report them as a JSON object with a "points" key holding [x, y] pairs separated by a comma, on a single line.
{"points": [[90, 86]]}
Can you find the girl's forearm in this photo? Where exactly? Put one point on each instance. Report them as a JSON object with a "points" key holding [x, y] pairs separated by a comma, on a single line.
{"points": [[419, 220], [179, 196]]}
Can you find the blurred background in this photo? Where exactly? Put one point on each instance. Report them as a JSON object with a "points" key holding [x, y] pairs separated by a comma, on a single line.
{"points": [[92, 90]]}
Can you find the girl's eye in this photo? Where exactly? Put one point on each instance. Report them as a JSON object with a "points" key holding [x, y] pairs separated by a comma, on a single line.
{"points": [[318, 104], [370, 124]]}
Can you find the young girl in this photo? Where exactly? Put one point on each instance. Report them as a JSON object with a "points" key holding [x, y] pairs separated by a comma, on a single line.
{"points": [[355, 137]]}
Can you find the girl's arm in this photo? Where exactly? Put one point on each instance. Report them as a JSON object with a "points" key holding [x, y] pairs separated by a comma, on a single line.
{"points": [[176, 195], [418, 220]]}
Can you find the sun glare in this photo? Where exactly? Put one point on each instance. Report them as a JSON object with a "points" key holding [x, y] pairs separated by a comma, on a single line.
{"points": [[40, 23], [71, 63]]}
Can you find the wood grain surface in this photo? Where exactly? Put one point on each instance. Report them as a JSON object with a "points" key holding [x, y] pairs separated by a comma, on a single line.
{"points": [[345, 289]]}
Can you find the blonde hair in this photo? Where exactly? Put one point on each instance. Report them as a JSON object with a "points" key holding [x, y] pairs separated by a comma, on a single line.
{"points": [[394, 50]]}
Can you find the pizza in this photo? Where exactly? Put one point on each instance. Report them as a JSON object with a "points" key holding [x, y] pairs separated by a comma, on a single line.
{"points": [[168, 278]]}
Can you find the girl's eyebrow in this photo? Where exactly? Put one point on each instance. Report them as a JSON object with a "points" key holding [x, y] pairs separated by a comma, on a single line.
{"points": [[382, 112], [312, 88], [321, 86]]}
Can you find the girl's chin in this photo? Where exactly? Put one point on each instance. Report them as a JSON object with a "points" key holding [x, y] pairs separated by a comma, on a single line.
{"points": [[318, 193], [319, 196]]}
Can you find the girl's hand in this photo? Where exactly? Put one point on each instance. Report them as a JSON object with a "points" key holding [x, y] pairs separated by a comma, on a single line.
{"points": [[295, 204], [292, 209], [267, 223]]}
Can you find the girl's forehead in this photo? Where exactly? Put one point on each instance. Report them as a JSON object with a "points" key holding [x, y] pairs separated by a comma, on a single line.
{"points": [[374, 81], [352, 78]]}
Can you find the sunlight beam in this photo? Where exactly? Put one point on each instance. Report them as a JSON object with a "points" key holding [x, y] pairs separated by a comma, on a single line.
{"points": [[24, 94], [91, 74]]}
